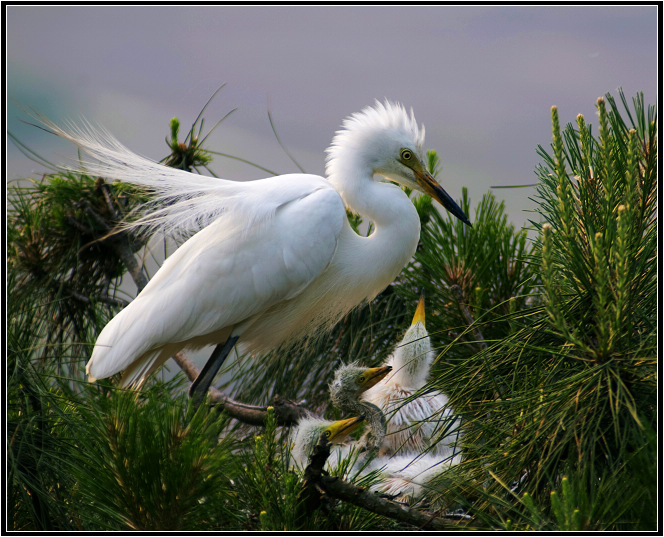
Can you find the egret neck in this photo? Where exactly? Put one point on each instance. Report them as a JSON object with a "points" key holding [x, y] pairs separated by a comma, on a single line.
{"points": [[396, 232]]}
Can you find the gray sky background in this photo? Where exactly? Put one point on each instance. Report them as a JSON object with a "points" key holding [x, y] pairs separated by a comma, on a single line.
{"points": [[481, 79]]}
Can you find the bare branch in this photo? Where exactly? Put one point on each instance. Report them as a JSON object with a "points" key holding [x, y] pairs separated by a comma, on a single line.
{"points": [[102, 298], [286, 412], [103, 186], [123, 249], [317, 481]]}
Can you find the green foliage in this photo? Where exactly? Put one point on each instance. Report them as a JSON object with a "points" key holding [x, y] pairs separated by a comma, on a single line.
{"points": [[599, 249], [189, 154], [599, 263], [266, 490], [574, 383], [546, 349], [471, 274], [59, 250], [157, 463], [38, 477], [564, 507]]}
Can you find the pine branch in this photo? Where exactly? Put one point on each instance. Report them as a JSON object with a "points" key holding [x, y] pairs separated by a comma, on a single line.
{"points": [[123, 249], [461, 299], [286, 412], [115, 302], [122, 246], [317, 480], [118, 241]]}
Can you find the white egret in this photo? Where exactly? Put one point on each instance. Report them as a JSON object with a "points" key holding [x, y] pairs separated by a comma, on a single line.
{"points": [[350, 382], [272, 259], [414, 423]]}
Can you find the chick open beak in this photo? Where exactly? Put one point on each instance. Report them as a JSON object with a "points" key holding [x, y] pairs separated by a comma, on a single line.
{"points": [[342, 428], [426, 181], [374, 375]]}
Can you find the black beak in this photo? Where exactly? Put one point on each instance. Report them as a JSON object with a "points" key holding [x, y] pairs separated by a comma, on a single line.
{"points": [[431, 187]]}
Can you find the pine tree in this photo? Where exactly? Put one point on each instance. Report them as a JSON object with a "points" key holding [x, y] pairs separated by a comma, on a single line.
{"points": [[546, 347]]}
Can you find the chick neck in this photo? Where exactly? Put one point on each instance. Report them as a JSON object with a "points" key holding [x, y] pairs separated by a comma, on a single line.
{"points": [[411, 360]]}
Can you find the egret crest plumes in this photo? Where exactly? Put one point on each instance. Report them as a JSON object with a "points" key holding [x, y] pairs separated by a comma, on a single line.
{"points": [[364, 136]]}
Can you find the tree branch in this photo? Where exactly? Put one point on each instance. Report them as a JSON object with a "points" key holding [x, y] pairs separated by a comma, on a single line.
{"points": [[316, 480], [286, 412], [124, 251], [461, 299], [119, 242], [102, 298], [312, 495]]}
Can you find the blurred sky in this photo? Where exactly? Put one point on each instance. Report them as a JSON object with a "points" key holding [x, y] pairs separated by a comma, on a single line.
{"points": [[481, 79]]}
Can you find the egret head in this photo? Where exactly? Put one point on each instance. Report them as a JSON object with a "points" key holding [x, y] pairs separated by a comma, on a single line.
{"points": [[351, 381], [386, 140], [416, 344], [309, 430], [414, 355], [419, 315]]}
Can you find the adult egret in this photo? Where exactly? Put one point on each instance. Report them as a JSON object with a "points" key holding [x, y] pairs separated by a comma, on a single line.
{"points": [[414, 420], [308, 431], [350, 382], [272, 259]]}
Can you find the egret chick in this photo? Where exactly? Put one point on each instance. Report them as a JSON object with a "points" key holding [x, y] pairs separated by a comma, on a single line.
{"points": [[405, 477], [309, 430], [350, 382], [413, 424], [271, 260]]}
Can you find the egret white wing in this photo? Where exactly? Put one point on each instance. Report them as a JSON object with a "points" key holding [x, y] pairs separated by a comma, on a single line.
{"points": [[226, 274]]}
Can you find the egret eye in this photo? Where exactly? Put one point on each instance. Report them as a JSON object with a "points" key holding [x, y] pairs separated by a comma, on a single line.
{"points": [[406, 154], [327, 434], [361, 379]]}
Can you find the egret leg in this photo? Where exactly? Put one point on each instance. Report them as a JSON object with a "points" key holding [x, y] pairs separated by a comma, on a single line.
{"points": [[200, 386]]}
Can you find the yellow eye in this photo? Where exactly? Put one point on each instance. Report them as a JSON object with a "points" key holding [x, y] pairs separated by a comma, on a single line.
{"points": [[327, 434], [406, 154], [361, 379]]}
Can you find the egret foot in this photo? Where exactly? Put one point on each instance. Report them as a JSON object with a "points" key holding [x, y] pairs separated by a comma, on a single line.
{"points": [[200, 386]]}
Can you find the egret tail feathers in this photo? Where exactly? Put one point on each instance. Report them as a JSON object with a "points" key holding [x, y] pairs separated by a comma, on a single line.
{"points": [[182, 202], [138, 372]]}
